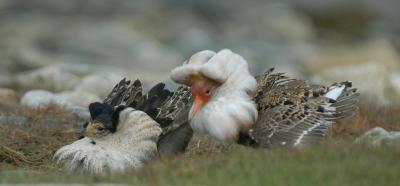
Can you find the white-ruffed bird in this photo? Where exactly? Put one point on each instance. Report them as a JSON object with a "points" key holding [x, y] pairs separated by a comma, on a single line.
{"points": [[129, 129], [269, 110]]}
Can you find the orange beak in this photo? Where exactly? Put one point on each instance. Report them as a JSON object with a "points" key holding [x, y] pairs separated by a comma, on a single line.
{"points": [[199, 101]]}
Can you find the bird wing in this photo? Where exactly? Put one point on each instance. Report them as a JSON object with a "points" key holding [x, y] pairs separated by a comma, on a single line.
{"points": [[132, 95], [177, 132], [292, 113], [169, 109], [176, 106], [125, 93]]}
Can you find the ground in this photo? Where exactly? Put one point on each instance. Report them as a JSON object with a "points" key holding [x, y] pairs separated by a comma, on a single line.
{"points": [[26, 156]]}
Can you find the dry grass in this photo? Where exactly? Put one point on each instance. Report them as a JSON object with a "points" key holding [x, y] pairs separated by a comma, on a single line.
{"points": [[50, 128], [368, 117], [31, 148], [35, 144]]}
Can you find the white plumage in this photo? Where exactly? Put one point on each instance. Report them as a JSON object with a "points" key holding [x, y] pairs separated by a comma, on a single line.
{"points": [[131, 146], [231, 105]]}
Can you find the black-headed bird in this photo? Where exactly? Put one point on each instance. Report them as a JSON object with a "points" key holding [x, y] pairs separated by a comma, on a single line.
{"points": [[269, 110], [129, 129]]}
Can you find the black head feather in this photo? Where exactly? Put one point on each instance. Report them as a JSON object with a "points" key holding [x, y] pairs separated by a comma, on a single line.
{"points": [[115, 117], [98, 109], [156, 90], [103, 113]]}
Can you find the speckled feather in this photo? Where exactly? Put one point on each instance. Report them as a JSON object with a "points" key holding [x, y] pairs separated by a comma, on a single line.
{"points": [[292, 113]]}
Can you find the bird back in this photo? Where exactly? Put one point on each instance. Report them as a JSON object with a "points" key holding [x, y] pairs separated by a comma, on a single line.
{"points": [[292, 112]]}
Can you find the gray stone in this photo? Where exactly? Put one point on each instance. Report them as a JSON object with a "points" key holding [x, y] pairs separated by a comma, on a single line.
{"points": [[76, 98], [37, 98], [378, 136], [49, 78], [99, 84], [82, 112], [16, 121], [8, 96]]}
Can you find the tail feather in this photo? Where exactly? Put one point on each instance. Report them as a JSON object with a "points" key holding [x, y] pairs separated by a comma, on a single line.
{"points": [[344, 98]]}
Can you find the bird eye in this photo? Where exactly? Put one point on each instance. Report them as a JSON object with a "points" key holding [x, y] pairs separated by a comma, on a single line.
{"points": [[207, 92], [100, 128]]}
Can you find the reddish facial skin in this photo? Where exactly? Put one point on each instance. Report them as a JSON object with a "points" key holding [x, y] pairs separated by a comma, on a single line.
{"points": [[201, 95]]}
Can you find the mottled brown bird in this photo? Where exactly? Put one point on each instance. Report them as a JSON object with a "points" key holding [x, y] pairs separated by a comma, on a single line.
{"points": [[269, 110]]}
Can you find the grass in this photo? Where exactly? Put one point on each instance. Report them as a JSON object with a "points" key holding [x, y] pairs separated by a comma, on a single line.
{"points": [[337, 162], [320, 165]]}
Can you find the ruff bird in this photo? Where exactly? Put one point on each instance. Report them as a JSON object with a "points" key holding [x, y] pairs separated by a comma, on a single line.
{"points": [[129, 129], [268, 110]]}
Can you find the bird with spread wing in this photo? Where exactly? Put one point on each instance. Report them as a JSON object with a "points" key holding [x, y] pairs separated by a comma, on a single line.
{"points": [[268, 110], [130, 128]]}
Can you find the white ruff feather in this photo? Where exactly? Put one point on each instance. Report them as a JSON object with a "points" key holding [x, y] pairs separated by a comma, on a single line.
{"points": [[224, 116], [133, 144], [231, 108]]}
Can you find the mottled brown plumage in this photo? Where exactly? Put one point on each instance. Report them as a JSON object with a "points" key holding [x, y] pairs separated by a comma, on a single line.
{"points": [[291, 112]]}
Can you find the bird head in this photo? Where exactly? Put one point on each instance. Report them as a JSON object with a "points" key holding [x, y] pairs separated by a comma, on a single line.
{"points": [[222, 88], [102, 122]]}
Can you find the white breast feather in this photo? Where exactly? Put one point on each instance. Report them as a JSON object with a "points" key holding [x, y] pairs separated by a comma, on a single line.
{"points": [[231, 109], [224, 117], [133, 144]]}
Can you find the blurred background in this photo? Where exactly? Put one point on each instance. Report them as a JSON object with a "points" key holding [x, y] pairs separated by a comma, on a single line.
{"points": [[72, 52]]}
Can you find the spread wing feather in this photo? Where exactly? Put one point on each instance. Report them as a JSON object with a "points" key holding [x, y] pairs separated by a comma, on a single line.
{"points": [[169, 109], [292, 113]]}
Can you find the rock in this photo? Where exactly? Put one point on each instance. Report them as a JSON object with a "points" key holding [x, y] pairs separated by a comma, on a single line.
{"points": [[99, 84], [49, 78], [370, 66], [73, 101], [81, 112], [8, 99], [66, 78], [83, 70], [37, 98], [76, 98], [16, 121], [378, 136], [95, 79], [395, 81], [8, 96]]}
